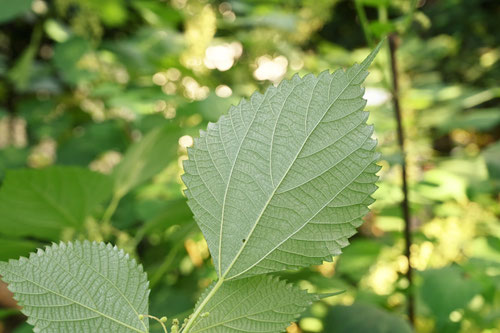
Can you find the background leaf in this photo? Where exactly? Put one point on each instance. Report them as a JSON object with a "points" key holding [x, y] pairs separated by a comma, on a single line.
{"points": [[361, 318], [146, 158], [11, 9], [79, 287], [439, 293], [284, 179], [256, 304], [43, 202], [14, 248]]}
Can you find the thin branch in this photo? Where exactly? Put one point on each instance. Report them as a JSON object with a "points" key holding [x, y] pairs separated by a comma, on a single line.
{"points": [[160, 320], [404, 204]]}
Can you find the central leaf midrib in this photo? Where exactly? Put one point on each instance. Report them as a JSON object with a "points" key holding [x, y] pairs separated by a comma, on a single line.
{"points": [[361, 67], [231, 173], [299, 229]]}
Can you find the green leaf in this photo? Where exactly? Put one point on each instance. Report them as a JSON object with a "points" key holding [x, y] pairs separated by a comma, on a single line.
{"points": [[361, 318], [284, 179], [79, 287], [14, 248], [67, 60], [256, 304], [490, 155], [146, 158], [43, 202], [21, 72], [11, 9], [439, 291], [172, 212], [358, 258], [96, 139]]}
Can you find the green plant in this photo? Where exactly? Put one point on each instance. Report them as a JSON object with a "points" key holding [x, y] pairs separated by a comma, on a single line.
{"points": [[299, 156]]}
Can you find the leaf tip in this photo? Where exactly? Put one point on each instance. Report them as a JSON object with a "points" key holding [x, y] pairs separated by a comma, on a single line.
{"points": [[369, 59]]}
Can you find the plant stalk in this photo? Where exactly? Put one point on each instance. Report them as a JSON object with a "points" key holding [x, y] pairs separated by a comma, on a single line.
{"points": [[160, 321], [110, 210], [363, 20], [404, 178], [197, 313]]}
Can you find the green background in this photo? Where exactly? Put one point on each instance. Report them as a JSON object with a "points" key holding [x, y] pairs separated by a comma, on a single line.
{"points": [[99, 100]]}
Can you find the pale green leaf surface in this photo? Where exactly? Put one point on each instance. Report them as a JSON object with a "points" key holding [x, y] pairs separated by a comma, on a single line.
{"points": [[79, 288], [256, 304], [285, 178], [43, 202], [146, 158]]}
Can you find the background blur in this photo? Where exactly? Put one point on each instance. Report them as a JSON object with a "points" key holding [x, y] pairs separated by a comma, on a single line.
{"points": [[81, 80]]}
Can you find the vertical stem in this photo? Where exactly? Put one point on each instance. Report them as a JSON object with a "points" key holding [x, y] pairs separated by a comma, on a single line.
{"points": [[364, 22], [404, 204], [172, 254], [110, 210]]}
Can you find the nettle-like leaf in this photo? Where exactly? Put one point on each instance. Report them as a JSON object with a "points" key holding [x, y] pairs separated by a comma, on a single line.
{"points": [[44, 202], [80, 287], [285, 178], [255, 304]]}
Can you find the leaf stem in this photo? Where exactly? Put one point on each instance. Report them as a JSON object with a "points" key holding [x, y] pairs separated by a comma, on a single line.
{"points": [[110, 210], [197, 313], [156, 277], [158, 320]]}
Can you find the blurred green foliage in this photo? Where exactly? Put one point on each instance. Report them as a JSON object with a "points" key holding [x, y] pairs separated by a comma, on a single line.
{"points": [[99, 100]]}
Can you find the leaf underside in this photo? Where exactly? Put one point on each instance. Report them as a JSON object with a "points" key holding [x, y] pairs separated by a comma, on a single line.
{"points": [[285, 178], [257, 304], [79, 287]]}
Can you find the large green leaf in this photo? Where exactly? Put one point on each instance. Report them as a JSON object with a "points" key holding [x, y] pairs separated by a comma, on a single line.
{"points": [[284, 179], [255, 304], [14, 248], [362, 318], [11, 9], [146, 158], [43, 202], [79, 287]]}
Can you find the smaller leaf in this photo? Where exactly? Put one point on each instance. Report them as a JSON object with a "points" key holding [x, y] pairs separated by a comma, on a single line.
{"points": [[79, 287], [146, 158], [256, 304], [43, 202]]}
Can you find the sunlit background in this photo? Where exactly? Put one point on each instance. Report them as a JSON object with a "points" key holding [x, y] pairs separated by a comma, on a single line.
{"points": [[81, 80]]}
